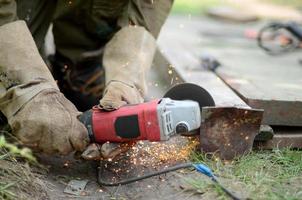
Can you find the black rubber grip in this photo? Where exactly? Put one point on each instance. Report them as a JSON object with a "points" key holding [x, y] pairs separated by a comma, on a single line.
{"points": [[86, 119]]}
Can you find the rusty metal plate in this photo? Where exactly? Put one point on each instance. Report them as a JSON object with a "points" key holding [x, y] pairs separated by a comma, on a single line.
{"points": [[229, 131]]}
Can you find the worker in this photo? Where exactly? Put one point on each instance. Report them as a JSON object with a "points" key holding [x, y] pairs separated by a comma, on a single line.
{"points": [[104, 50]]}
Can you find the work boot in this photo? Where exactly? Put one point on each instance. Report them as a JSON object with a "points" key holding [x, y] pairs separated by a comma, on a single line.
{"points": [[82, 83]]}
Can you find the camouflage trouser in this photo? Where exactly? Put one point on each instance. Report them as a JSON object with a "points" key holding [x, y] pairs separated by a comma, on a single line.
{"points": [[84, 25]]}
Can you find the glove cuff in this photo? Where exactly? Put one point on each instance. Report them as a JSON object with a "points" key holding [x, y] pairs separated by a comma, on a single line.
{"points": [[122, 82], [16, 97], [23, 73], [128, 56]]}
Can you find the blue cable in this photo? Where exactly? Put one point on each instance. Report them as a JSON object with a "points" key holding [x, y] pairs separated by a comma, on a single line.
{"points": [[208, 172], [203, 169]]}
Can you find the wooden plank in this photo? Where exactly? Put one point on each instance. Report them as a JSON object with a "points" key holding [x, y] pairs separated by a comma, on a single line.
{"points": [[186, 68], [281, 141], [280, 97], [284, 137], [272, 83]]}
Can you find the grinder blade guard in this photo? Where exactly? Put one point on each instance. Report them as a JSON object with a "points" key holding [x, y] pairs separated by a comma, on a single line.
{"points": [[193, 92]]}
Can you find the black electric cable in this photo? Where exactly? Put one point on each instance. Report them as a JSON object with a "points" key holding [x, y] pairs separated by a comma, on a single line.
{"points": [[228, 192], [170, 169], [134, 179]]}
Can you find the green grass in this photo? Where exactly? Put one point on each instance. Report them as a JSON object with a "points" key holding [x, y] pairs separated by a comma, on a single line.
{"points": [[194, 7], [15, 173], [14, 151], [294, 3], [273, 174]]}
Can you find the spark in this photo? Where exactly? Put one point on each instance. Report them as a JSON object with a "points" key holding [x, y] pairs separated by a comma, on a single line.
{"points": [[66, 164], [172, 80], [147, 156]]}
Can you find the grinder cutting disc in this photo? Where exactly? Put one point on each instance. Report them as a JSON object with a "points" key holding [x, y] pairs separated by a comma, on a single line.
{"points": [[189, 91]]}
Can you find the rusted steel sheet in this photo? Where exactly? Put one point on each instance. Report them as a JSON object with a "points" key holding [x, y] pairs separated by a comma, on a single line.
{"points": [[229, 131]]}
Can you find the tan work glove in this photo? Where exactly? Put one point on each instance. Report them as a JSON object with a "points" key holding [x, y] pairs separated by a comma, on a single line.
{"points": [[105, 151], [39, 115], [127, 58]]}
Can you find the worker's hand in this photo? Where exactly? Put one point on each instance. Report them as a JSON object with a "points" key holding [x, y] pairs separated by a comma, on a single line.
{"points": [[105, 151], [49, 123], [118, 93]]}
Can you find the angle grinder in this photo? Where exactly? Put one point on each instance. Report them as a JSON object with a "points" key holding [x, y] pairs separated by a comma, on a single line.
{"points": [[179, 111]]}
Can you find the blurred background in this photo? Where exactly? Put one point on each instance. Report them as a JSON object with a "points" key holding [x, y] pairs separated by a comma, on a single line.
{"points": [[274, 9]]}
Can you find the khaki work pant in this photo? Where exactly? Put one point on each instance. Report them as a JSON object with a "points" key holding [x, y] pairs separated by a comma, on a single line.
{"points": [[84, 25]]}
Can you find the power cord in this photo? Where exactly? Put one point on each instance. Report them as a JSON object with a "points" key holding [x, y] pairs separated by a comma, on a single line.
{"points": [[198, 166]]}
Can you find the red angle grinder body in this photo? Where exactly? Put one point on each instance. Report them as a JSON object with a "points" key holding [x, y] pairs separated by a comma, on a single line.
{"points": [[156, 120]]}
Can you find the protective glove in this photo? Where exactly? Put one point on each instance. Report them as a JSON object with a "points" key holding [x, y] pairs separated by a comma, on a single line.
{"points": [[105, 151], [39, 115], [118, 94], [127, 58]]}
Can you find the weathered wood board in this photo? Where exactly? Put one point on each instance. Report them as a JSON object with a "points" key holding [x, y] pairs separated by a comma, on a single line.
{"points": [[273, 83], [186, 67], [274, 87], [283, 137], [237, 54]]}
